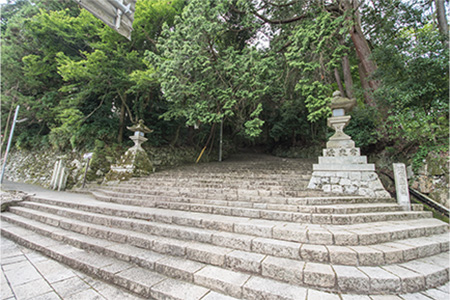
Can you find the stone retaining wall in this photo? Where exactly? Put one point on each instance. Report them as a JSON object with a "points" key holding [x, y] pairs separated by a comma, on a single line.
{"points": [[36, 167]]}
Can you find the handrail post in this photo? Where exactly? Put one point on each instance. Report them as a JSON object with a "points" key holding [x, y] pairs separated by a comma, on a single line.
{"points": [[9, 143]]}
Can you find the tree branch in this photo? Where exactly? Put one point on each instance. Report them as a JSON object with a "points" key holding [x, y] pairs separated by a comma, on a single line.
{"points": [[267, 20], [97, 108], [286, 21], [128, 109], [285, 46], [281, 5], [147, 36]]}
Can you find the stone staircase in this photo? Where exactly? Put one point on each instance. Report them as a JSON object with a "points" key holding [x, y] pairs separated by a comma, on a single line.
{"points": [[246, 228]]}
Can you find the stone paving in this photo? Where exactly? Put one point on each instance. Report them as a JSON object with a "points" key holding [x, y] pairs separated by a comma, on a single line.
{"points": [[27, 274]]}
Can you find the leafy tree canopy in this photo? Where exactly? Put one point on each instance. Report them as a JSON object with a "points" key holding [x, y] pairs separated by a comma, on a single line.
{"points": [[267, 69]]}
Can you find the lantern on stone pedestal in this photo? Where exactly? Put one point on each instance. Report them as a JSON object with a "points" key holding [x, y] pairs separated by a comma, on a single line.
{"points": [[135, 162], [342, 169]]}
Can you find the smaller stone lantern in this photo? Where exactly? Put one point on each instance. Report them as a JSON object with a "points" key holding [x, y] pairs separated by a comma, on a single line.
{"points": [[138, 138], [135, 162]]}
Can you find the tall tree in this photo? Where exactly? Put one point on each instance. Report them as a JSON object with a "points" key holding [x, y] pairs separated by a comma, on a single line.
{"points": [[76, 79], [206, 75], [279, 13]]}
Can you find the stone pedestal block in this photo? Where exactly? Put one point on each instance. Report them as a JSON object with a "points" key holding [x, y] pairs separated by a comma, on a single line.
{"points": [[134, 163], [344, 171]]}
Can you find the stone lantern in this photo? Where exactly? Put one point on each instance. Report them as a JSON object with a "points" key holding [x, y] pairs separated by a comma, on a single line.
{"points": [[342, 169], [135, 162], [138, 138]]}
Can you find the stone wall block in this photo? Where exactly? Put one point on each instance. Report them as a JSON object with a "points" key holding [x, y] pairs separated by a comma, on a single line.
{"points": [[363, 192], [325, 180], [312, 186], [375, 184], [337, 188], [351, 189], [355, 176], [345, 181], [356, 183], [334, 180], [342, 174]]}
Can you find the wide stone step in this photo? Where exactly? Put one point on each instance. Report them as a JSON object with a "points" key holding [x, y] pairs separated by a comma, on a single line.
{"points": [[272, 180], [311, 197], [205, 187], [283, 205], [211, 187], [393, 252], [246, 176], [207, 193], [253, 210], [252, 170], [355, 234], [408, 277], [223, 244], [140, 280], [220, 181], [333, 217], [325, 209], [213, 193]]}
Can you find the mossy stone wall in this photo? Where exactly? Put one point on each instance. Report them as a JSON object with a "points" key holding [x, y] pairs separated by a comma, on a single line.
{"points": [[36, 167]]}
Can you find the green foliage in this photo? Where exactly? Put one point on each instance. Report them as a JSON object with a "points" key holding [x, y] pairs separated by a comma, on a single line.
{"points": [[414, 72], [76, 79], [289, 123], [149, 18], [203, 78], [315, 51], [29, 77], [416, 75], [424, 151], [253, 127], [363, 126], [61, 137], [198, 62], [317, 99]]}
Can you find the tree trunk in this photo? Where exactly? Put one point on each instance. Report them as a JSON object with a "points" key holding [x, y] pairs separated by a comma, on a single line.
{"points": [[347, 72], [347, 76], [442, 18], [365, 84], [190, 137], [177, 134], [339, 82], [294, 138], [362, 48], [363, 51], [121, 123]]}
